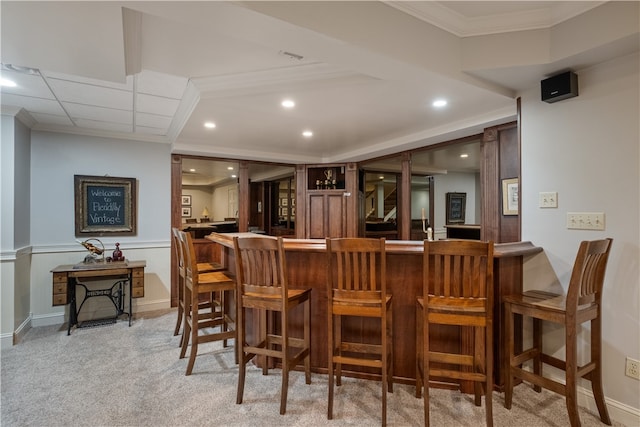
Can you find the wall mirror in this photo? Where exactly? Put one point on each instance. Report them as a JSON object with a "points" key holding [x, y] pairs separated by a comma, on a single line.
{"points": [[210, 196], [453, 168], [435, 171]]}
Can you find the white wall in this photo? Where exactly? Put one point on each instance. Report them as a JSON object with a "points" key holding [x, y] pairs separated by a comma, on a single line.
{"points": [[14, 227], [201, 197], [587, 149], [55, 159]]}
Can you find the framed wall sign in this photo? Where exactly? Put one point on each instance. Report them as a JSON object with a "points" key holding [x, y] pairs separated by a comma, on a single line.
{"points": [[456, 207], [510, 196], [105, 205]]}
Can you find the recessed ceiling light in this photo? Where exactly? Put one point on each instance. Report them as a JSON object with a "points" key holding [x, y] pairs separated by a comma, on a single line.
{"points": [[288, 103], [307, 134], [192, 170], [464, 156], [439, 103], [381, 177], [209, 125], [7, 83], [230, 168], [234, 176]]}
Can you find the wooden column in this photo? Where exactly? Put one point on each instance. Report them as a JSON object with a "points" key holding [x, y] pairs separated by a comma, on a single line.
{"points": [[243, 197], [176, 220], [404, 202]]}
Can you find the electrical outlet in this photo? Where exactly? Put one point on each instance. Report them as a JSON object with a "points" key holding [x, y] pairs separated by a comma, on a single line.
{"points": [[632, 368], [548, 199], [585, 220]]}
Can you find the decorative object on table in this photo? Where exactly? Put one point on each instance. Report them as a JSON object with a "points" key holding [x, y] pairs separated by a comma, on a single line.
{"points": [[117, 254], [104, 205], [426, 228], [205, 215], [96, 253]]}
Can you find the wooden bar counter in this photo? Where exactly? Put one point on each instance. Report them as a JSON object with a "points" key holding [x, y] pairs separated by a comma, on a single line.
{"points": [[306, 265]]}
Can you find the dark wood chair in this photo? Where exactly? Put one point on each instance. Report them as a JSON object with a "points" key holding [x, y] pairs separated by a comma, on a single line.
{"points": [[458, 291], [582, 303], [263, 289], [198, 284], [356, 287], [203, 267]]}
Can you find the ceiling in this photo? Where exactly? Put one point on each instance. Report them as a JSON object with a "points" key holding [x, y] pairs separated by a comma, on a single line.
{"points": [[363, 75]]}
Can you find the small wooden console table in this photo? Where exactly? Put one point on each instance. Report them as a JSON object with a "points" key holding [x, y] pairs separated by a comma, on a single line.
{"points": [[67, 277]]}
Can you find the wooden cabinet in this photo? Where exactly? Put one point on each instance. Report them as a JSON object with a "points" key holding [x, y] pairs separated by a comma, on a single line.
{"points": [[60, 289], [326, 214], [329, 201], [137, 282]]}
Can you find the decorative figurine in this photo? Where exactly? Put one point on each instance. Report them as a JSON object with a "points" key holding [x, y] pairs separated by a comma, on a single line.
{"points": [[117, 254], [94, 251]]}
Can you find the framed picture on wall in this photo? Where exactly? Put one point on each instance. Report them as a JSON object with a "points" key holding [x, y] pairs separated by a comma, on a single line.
{"points": [[105, 204], [186, 200], [510, 196], [186, 212], [456, 207]]}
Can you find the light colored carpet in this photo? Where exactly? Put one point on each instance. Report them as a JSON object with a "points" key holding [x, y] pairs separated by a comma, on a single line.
{"points": [[120, 376]]}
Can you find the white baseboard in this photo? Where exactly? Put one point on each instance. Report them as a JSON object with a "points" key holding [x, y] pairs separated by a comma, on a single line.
{"points": [[618, 411], [6, 341], [48, 319], [142, 306]]}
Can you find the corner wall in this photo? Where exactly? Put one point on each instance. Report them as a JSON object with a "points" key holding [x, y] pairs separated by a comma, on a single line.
{"points": [[55, 159], [587, 149]]}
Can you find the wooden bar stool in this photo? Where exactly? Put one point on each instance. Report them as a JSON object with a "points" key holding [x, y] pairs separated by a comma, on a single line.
{"points": [[356, 286], [262, 287], [195, 285], [582, 303], [203, 267], [457, 290]]}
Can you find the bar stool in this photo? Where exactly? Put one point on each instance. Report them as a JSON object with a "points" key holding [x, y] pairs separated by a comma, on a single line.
{"points": [[262, 287], [203, 284], [203, 267], [582, 303], [356, 286], [457, 290]]}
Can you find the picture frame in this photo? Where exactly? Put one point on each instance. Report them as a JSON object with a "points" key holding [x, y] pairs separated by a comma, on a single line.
{"points": [[186, 200], [456, 208], [284, 211], [284, 202], [105, 205], [186, 211], [510, 196]]}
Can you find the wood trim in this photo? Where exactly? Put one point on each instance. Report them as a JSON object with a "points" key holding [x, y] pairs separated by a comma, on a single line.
{"points": [[404, 204], [176, 220], [243, 196]]}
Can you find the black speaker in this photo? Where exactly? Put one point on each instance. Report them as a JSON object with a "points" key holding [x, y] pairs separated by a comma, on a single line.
{"points": [[559, 87]]}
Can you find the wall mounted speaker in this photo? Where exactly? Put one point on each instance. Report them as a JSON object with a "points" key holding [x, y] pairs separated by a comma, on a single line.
{"points": [[559, 87]]}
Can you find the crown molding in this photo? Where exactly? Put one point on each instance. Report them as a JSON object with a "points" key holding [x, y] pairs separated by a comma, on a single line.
{"points": [[438, 14], [273, 79]]}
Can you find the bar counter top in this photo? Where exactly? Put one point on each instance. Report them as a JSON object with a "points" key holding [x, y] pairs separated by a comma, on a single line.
{"points": [[501, 250]]}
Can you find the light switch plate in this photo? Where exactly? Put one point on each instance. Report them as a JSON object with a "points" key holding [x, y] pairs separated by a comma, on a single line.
{"points": [[548, 199], [585, 220]]}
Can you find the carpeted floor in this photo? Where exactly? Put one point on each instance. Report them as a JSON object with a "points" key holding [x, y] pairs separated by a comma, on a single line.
{"points": [[120, 376]]}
